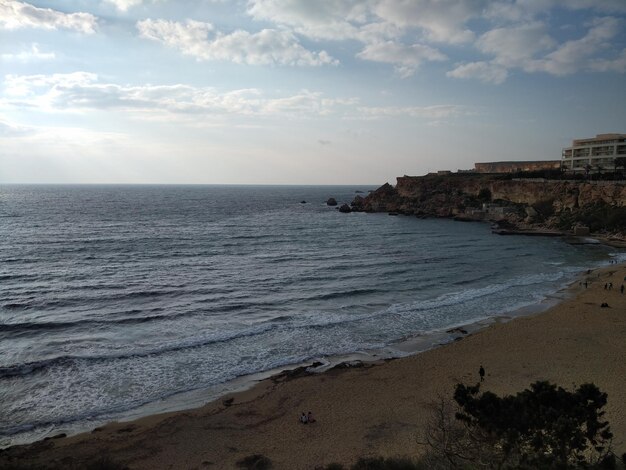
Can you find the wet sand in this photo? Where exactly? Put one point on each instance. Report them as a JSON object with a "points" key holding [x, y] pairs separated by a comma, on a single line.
{"points": [[375, 409]]}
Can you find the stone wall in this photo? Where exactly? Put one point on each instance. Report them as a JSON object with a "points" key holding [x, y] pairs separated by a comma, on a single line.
{"points": [[511, 167]]}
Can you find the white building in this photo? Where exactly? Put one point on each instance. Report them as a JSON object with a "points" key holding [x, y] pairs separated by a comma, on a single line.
{"points": [[599, 152]]}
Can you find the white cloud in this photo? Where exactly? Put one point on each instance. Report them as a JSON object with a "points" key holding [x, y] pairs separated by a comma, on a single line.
{"points": [[268, 46], [81, 91], [610, 65], [530, 48], [527, 10], [515, 46], [331, 19], [577, 54], [31, 55], [403, 32], [406, 59], [378, 24], [483, 71], [441, 20], [16, 15], [437, 112], [124, 5], [10, 130]]}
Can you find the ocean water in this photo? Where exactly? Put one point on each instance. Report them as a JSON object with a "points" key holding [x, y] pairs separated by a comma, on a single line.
{"points": [[117, 297]]}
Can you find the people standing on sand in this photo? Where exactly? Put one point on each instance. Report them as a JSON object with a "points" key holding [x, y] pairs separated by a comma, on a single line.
{"points": [[606, 286], [481, 372], [585, 284], [303, 418], [310, 418], [610, 286]]}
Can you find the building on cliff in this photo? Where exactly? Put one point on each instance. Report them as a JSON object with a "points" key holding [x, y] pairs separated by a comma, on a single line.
{"points": [[514, 167], [598, 152]]}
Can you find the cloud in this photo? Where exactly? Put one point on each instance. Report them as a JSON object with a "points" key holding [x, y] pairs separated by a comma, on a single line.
{"points": [[81, 91], [530, 48], [516, 46], [124, 5], [406, 59], [406, 33], [483, 71], [364, 20], [333, 19], [437, 112], [11, 130], [383, 26], [441, 20], [575, 55], [528, 10], [17, 15], [32, 55], [268, 46], [610, 65]]}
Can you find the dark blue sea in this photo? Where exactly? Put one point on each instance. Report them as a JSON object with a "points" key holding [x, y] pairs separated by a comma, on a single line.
{"points": [[117, 299]]}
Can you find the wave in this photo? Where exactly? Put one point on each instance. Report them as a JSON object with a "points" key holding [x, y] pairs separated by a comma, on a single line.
{"points": [[311, 320], [30, 368], [69, 301]]}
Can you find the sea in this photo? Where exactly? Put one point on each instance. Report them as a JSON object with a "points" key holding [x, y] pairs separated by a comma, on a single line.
{"points": [[122, 301]]}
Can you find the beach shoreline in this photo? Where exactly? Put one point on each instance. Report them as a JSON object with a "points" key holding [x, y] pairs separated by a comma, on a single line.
{"points": [[386, 420], [411, 344]]}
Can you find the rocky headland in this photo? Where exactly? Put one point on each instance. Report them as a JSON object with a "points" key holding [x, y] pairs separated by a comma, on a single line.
{"points": [[564, 206]]}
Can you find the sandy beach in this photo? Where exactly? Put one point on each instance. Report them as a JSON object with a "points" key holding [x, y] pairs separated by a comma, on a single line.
{"points": [[376, 409]]}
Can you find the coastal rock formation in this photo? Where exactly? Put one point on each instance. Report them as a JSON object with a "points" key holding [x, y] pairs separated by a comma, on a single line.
{"points": [[331, 201], [516, 203], [345, 208]]}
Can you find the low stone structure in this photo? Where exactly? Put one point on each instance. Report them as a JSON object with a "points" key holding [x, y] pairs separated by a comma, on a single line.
{"points": [[513, 167]]}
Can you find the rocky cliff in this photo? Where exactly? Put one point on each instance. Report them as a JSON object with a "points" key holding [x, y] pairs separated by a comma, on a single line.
{"points": [[521, 203]]}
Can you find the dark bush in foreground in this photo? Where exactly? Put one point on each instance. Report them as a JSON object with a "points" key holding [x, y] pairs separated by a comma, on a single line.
{"points": [[380, 463], [105, 463], [543, 427], [255, 462]]}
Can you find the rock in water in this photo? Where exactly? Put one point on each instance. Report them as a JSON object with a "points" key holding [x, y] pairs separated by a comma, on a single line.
{"points": [[331, 202], [358, 203], [345, 208]]}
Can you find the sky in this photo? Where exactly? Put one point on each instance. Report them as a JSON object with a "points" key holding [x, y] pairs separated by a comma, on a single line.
{"points": [[300, 91]]}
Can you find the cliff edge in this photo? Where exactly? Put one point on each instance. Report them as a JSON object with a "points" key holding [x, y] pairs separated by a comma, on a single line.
{"points": [[523, 204]]}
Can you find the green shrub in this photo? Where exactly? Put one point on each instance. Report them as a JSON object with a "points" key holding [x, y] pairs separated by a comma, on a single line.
{"points": [[544, 426], [544, 208], [484, 195]]}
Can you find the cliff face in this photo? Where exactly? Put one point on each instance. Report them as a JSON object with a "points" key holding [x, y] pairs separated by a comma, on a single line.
{"points": [[514, 201], [565, 195]]}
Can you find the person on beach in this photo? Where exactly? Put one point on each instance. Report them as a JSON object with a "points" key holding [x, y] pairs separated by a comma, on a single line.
{"points": [[303, 418], [621, 289], [610, 286], [310, 418], [481, 372]]}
